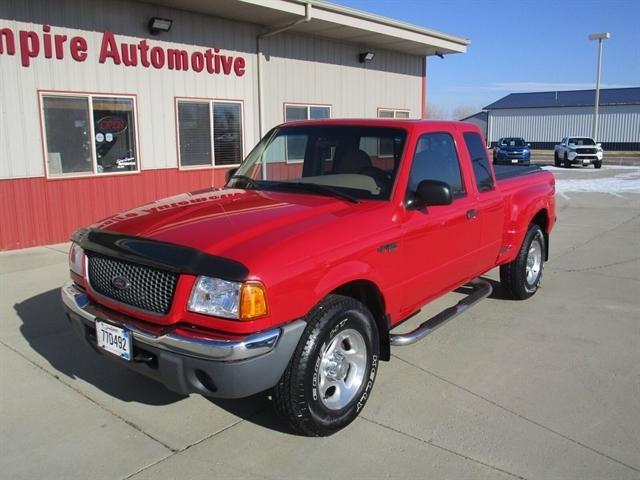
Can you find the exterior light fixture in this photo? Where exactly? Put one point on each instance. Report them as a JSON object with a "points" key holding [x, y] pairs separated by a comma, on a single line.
{"points": [[599, 37], [438, 54], [366, 56], [157, 25]]}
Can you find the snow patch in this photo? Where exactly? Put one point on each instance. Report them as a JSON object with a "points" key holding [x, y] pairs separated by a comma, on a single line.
{"points": [[589, 169], [628, 182]]}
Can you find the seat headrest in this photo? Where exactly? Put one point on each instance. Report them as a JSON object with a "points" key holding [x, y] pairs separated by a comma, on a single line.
{"points": [[353, 161]]}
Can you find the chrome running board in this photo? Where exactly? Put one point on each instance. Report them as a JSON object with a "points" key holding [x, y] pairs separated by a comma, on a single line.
{"points": [[481, 290]]}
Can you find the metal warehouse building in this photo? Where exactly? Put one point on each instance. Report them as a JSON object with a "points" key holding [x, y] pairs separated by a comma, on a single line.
{"points": [[544, 118], [107, 105]]}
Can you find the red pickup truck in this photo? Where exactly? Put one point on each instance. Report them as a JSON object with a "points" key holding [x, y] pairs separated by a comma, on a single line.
{"points": [[295, 276]]}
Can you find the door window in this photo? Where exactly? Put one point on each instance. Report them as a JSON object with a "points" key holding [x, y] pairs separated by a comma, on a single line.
{"points": [[436, 158]]}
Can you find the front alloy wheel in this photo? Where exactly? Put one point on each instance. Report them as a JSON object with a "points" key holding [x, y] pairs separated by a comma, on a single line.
{"points": [[331, 374], [342, 367]]}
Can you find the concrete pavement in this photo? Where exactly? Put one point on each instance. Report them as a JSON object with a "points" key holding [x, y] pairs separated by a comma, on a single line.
{"points": [[546, 388]]}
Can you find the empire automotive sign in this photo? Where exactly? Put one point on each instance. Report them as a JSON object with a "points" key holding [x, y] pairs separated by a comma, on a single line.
{"points": [[30, 44]]}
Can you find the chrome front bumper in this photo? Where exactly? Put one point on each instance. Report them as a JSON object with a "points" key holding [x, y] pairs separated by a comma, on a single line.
{"points": [[210, 348], [215, 367]]}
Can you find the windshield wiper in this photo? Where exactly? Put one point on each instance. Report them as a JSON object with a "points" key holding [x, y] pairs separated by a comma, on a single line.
{"points": [[316, 188], [248, 180]]}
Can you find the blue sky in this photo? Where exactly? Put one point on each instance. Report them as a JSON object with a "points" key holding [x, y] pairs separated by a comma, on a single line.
{"points": [[521, 45]]}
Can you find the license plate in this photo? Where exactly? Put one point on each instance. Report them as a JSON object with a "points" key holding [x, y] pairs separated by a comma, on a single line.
{"points": [[514, 160], [585, 162], [114, 339]]}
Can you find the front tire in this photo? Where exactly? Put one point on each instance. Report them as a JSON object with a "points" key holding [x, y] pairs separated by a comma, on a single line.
{"points": [[567, 163], [556, 159], [521, 278], [332, 371], [597, 164]]}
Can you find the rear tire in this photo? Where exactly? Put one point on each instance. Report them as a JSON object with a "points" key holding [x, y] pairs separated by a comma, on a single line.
{"points": [[521, 278], [332, 371]]}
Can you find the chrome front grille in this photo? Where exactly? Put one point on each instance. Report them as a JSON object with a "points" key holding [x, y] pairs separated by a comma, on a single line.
{"points": [[135, 285]]}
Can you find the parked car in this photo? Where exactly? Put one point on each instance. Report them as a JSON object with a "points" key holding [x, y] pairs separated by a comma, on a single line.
{"points": [[578, 150], [296, 277], [512, 150]]}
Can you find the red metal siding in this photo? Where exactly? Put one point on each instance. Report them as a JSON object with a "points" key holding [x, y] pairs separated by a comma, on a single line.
{"points": [[38, 211]]}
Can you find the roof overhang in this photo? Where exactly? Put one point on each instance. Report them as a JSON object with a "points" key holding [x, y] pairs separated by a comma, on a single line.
{"points": [[329, 21]]}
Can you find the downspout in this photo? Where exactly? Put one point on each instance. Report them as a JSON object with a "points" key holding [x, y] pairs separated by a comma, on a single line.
{"points": [[307, 18]]}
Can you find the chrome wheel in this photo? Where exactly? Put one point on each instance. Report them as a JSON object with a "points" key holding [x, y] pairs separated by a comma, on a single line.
{"points": [[534, 261], [342, 368]]}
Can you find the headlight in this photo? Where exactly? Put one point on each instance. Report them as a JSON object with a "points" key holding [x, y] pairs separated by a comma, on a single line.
{"points": [[76, 259], [221, 298]]}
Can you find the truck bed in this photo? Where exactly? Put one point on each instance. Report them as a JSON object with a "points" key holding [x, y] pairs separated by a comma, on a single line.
{"points": [[509, 171]]}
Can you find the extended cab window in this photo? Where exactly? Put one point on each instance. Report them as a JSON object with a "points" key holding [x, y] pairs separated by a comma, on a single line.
{"points": [[436, 159], [480, 161]]}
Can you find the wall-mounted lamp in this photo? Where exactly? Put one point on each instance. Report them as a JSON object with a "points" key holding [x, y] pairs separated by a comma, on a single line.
{"points": [[157, 25], [438, 54], [366, 56]]}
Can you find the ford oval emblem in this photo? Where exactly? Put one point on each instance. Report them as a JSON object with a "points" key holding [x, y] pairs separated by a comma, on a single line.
{"points": [[120, 282]]}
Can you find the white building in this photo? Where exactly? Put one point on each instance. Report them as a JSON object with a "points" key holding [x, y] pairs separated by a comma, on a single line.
{"points": [[544, 118]]}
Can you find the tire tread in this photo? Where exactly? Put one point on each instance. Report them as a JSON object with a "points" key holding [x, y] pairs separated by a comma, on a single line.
{"points": [[512, 274], [289, 392]]}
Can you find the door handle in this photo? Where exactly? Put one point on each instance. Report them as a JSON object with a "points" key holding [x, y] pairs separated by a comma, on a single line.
{"points": [[471, 214]]}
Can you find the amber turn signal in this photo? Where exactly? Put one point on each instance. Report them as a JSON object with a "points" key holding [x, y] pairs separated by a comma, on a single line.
{"points": [[253, 301]]}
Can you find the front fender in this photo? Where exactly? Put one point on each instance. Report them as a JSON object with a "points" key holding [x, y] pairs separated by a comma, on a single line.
{"points": [[343, 273]]}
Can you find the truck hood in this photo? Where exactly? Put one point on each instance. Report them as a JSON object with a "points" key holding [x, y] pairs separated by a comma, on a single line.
{"points": [[223, 221]]}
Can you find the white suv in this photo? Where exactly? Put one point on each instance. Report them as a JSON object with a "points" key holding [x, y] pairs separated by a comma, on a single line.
{"points": [[578, 150]]}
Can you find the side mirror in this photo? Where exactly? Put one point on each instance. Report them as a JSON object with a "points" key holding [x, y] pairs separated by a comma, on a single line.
{"points": [[528, 145], [230, 173], [599, 145], [430, 192]]}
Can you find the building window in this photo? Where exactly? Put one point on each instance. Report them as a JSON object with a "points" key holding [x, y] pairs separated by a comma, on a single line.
{"points": [[385, 147], [393, 113], [89, 134], [296, 144], [194, 130], [209, 133], [227, 133], [306, 112]]}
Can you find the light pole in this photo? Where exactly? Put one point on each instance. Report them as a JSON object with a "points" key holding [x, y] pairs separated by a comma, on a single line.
{"points": [[599, 37]]}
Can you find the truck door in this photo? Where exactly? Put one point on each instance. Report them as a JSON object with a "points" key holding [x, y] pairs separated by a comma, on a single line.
{"points": [[490, 207], [439, 243]]}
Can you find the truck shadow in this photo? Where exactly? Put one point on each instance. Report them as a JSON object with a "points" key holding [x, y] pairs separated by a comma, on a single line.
{"points": [[498, 293], [49, 334]]}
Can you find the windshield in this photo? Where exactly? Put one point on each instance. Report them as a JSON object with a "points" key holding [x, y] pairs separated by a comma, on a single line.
{"points": [[349, 162], [581, 141], [514, 142]]}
